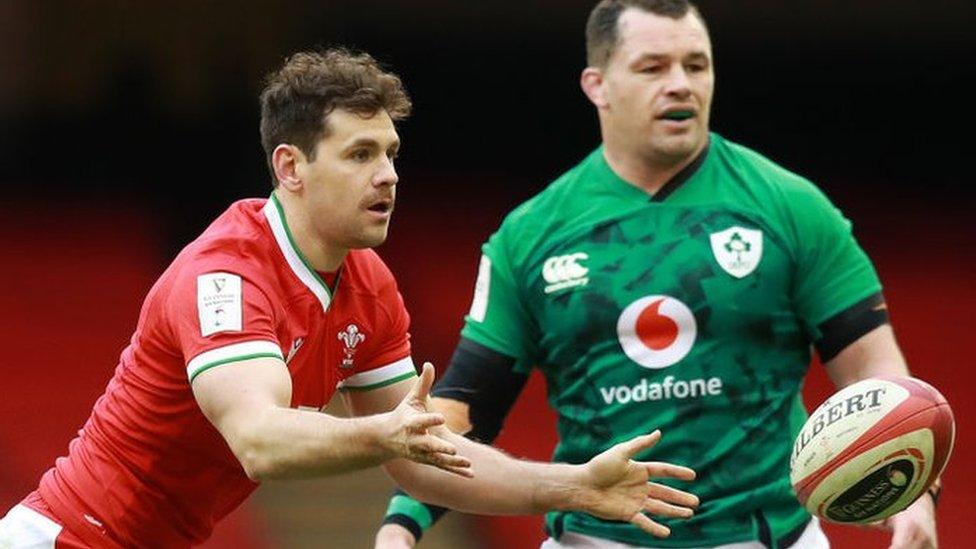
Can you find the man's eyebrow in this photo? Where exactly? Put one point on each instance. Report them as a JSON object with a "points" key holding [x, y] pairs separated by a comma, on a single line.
{"points": [[371, 143], [653, 56], [362, 142]]}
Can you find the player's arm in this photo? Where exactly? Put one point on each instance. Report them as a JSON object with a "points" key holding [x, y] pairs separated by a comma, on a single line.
{"points": [[610, 486], [832, 273], [475, 395], [873, 351], [248, 402], [859, 343]]}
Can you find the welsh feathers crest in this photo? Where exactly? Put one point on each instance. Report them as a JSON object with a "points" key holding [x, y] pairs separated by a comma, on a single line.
{"points": [[351, 337]]}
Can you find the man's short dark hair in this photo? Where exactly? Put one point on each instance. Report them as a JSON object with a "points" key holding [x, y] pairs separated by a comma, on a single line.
{"points": [[602, 27], [300, 95]]}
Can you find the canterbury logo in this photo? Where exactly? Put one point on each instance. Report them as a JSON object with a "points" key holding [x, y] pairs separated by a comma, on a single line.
{"points": [[565, 271]]}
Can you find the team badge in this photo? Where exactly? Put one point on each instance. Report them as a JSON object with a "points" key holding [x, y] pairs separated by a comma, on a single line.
{"points": [[738, 250], [657, 331], [351, 337]]}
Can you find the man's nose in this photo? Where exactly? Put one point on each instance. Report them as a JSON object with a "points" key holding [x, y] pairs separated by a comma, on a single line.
{"points": [[678, 83], [387, 175]]}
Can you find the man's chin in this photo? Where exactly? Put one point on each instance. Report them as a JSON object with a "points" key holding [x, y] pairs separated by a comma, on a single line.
{"points": [[677, 148], [371, 240]]}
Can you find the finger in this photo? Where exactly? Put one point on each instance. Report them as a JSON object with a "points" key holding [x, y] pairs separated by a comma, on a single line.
{"points": [[638, 444], [421, 388], [432, 445], [421, 422], [643, 522], [662, 509], [444, 460], [465, 472], [452, 460], [672, 495], [660, 469]]}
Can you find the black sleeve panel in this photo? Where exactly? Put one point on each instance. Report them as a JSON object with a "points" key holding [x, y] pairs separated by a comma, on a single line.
{"points": [[483, 379], [847, 326]]}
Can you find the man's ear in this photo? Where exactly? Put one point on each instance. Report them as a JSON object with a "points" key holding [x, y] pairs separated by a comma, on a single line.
{"points": [[286, 160], [591, 80]]}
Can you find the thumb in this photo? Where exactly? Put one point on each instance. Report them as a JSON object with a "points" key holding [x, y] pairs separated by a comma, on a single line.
{"points": [[636, 445], [421, 388]]}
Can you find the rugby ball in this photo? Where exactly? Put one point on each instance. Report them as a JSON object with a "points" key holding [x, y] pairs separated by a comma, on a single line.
{"points": [[872, 449]]}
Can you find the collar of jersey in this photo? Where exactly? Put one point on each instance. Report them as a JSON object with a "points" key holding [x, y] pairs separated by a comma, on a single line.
{"points": [[293, 256], [637, 194]]}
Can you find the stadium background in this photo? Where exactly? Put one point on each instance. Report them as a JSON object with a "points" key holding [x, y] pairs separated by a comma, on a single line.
{"points": [[125, 127]]}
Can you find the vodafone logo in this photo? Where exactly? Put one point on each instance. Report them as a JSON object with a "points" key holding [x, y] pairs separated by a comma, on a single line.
{"points": [[657, 331]]}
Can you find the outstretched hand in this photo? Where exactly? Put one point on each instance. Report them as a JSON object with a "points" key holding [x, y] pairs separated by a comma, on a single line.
{"points": [[410, 434], [913, 528], [622, 489]]}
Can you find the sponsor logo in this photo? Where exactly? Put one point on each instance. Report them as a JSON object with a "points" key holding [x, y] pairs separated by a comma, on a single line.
{"points": [[219, 307], [657, 331], [351, 337], [738, 250], [668, 388], [564, 271], [873, 494]]}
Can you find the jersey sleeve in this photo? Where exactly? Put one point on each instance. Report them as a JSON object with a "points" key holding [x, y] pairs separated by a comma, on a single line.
{"points": [[498, 318], [388, 360], [219, 316], [833, 271]]}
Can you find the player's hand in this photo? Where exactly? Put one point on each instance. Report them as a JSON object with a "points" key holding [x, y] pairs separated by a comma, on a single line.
{"points": [[913, 528], [394, 536], [621, 487], [410, 430]]}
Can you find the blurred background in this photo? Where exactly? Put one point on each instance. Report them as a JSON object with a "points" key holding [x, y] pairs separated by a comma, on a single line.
{"points": [[125, 127]]}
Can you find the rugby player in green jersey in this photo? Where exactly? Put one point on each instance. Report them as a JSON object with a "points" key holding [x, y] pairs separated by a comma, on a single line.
{"points": [[672, 279]]}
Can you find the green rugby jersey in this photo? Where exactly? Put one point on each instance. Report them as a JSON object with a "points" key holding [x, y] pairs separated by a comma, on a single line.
{"points": [[693, 313]]}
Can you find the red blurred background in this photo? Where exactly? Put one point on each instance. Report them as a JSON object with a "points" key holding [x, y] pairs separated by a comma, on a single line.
{"points": [[121, 139]]}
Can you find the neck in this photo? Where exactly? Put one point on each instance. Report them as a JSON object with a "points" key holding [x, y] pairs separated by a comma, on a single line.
{"points": [[320, 254], [642, 171]]}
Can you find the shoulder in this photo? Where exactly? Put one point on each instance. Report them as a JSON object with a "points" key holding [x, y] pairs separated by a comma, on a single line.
{"points": [[767, 182], [549, 211], [761, 174], [237, 243]]}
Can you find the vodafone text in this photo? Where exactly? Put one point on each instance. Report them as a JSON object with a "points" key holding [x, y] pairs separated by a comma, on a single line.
{"points": [[668, 388]]}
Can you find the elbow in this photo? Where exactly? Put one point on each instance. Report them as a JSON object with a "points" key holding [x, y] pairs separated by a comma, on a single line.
{"points": [[256, 459], [256, 466]]}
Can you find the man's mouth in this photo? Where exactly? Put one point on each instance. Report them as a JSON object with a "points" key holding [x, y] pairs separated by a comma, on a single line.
{"points": [[678, 115], [381, 206]]}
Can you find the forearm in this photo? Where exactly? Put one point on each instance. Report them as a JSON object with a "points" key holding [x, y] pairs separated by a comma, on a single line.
{"points": [[501, 485], [283, 443]]}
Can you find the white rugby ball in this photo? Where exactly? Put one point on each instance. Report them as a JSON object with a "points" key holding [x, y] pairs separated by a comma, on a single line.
{"points": [[872, 449]]}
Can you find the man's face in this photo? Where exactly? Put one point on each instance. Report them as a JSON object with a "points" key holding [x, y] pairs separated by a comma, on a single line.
{"points": [[658, 85], [350, 188]]}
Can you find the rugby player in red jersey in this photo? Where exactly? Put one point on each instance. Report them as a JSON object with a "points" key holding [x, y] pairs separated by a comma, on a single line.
{"points": [[254, 326]]}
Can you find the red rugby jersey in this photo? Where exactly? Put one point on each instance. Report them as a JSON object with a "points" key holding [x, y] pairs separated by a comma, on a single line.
{"points": [[148, 469]]}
